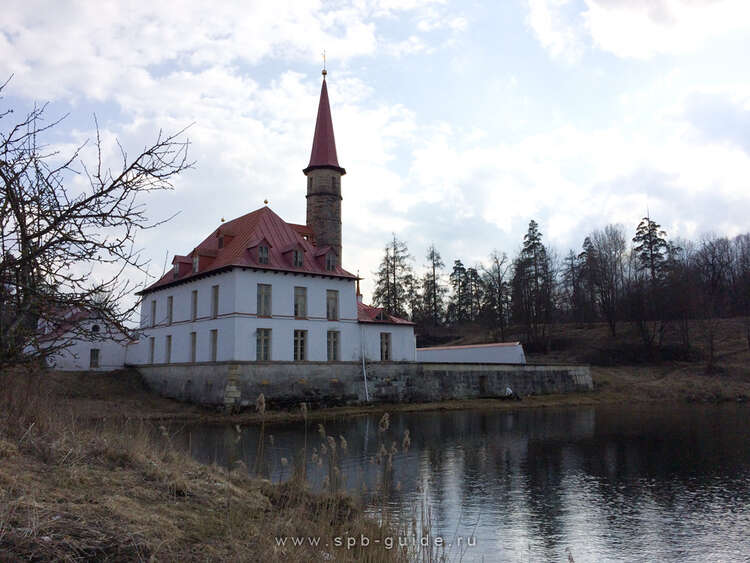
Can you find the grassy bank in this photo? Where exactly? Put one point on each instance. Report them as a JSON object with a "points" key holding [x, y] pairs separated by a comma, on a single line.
{"points": [[77, 488]]}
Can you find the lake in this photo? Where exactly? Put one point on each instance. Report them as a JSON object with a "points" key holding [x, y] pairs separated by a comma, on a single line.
{"points": [[625, 483]]}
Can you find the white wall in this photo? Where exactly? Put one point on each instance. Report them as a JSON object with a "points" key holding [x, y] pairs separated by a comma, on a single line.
{"points": [[237, 320], [112, 349], [403, 342], [499, 353]]}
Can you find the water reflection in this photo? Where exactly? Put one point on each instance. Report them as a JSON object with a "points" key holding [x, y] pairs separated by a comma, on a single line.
{"points": [[616, 484]]}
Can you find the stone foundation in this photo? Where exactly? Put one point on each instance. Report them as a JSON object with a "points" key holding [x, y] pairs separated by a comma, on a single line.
{"points": [[238, 384]]}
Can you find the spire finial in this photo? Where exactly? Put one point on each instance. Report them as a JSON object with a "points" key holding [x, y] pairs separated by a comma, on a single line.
{"points": [[324, 65]]}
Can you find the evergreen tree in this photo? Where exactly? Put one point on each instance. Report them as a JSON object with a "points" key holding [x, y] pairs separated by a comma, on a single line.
{"points": [[458, 307], [648, 293], [651, 249], [394, 280], [433, 292], [474, 294], [532, 287]]}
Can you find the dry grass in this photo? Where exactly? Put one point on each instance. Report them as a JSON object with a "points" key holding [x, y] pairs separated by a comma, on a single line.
{"points": [[73, 488]]}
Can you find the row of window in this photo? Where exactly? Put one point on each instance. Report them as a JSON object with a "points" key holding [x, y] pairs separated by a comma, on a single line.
{"points": [[263, 346], [263, 304]]}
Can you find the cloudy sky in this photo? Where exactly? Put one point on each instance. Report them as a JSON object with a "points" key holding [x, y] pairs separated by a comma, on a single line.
{"points": [[457, 122]]}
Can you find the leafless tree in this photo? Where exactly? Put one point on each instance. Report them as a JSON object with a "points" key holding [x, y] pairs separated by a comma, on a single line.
{"points": [[713, 261], [496, 280], [67, 249], [610, 248]]}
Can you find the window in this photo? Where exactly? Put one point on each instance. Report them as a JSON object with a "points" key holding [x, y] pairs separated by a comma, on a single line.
{"points": [[309, 182], [298, 258], [151, 345], [333, 345], [168, 349], [195, 263], [194, 305], [153, 313], [332, 304], [221, 242], [214, 344], [263, 254], [94, 358], [264, 300], [385, 346], [300, 302], [300, 345], [263, 343], [193, 342], [176, 270], [330, 261], [95, 329], [170, 302], [214, 301]]}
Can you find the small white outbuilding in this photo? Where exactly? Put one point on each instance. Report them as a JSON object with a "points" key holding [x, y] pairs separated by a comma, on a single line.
{"points": [[494, 353]]}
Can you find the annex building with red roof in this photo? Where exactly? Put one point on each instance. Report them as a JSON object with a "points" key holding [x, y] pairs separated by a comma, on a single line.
{"points": [[261, 289]]}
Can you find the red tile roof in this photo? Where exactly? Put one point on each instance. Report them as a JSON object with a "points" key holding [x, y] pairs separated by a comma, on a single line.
{"points": [[323, 154], [247, 231], [370, 314]]}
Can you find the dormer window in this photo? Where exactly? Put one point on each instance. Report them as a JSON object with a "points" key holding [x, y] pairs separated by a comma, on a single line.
{"points": [[195, 263], [297, 259], [221, 242], [176, 270], [263, 254], [330, 261]]}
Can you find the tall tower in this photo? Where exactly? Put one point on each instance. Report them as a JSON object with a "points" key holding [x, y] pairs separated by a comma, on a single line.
{"points": [[324, 180]]}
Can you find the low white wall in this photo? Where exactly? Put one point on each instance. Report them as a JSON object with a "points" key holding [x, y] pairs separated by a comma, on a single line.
{"points": [[496, 353]]}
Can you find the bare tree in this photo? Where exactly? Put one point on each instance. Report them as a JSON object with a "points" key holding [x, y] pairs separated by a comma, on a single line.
{"points": [[66, 248], [496, 280], [713, 261], [610, 254]]}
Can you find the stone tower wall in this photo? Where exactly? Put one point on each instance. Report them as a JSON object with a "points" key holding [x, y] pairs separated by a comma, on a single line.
{"points": [[324, 207]]}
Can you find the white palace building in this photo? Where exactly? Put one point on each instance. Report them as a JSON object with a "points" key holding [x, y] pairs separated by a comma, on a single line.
{"points": [[259, 289]]}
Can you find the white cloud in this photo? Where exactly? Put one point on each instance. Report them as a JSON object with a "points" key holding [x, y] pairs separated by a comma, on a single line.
{"points": [[644, 28], [550, 21], [638, 29]]}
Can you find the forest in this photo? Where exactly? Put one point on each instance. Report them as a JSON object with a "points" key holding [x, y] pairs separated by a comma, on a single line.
{"points": [[645, 282]]}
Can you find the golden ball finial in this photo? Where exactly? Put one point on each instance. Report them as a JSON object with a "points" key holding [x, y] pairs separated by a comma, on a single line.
{"points": [[324, 72], [222, 219], [265, 201]]}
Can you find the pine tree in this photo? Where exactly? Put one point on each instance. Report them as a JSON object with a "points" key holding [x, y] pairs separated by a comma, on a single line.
{"points": [[533, 287], [651, 249], [395, 279], [433, 292], [457, 307]]}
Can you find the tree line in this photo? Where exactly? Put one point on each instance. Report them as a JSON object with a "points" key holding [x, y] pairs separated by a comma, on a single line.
{"points": [[645, 279]]}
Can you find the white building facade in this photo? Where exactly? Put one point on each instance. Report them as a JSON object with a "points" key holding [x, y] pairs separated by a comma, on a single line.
{"points": [[84, 342], [216, 318], [259, 289]]}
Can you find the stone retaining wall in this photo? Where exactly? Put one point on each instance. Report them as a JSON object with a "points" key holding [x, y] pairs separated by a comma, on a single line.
{"points": [[238, 384]]}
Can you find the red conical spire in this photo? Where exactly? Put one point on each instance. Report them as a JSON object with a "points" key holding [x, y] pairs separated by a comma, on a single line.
{"points": [[323, 153]]}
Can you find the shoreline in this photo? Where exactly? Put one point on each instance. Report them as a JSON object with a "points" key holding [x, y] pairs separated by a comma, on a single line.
{"points": [[99, 396]]}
